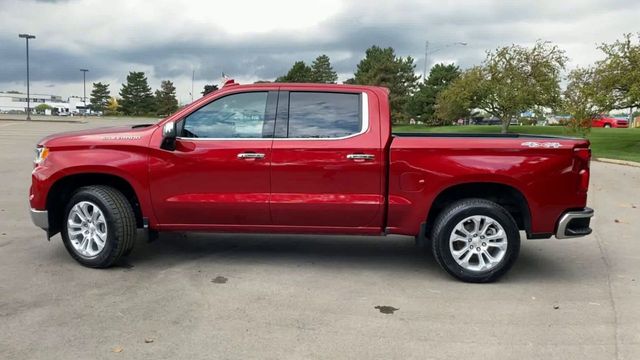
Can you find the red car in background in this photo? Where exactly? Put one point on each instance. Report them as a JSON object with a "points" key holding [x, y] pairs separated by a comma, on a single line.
{"points": [[608, 122]]}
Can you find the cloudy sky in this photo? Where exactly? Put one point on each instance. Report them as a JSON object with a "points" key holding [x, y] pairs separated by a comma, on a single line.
{"points": [[259, 40]]}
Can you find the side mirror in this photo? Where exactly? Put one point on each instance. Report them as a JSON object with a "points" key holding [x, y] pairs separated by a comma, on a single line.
{"points": [[169, 136]]}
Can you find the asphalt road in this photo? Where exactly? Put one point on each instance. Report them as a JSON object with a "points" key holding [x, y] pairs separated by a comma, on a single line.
{"points": [[199, 296]]}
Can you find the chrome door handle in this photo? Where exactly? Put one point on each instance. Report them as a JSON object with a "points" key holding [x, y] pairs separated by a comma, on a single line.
{"points": [[361, 157], [250, 155]]}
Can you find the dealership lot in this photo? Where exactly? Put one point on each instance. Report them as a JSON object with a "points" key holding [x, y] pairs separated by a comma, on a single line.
{"points": [[273, 296]]}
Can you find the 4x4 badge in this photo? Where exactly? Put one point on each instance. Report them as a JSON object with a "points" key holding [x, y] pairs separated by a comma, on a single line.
{"points": [[547, 145]]}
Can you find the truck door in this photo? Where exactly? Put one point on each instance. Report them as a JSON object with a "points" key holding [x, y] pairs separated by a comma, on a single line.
{"points": [[326, 161], [219, 171]]}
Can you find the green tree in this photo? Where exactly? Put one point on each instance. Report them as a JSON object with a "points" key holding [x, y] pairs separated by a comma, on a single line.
{"points": [[458, 99], [299, 73], [422, 103], [166, 101], [40, 109], [100, 96], [209, 89], [581, 99], [136, 96], [383, 68], [322, 72], [618, 75], [514, 79]]}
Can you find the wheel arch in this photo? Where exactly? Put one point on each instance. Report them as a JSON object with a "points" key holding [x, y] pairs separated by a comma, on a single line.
{"points": [[63, 189], [507, 196]]}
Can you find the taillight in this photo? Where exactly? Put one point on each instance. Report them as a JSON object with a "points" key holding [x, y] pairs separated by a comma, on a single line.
{"points": [[584, 180], [583, 157], [583, 154]]}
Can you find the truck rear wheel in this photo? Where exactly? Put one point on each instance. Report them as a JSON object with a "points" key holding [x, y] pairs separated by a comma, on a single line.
{"points": [[99, 226], [475, 240]]}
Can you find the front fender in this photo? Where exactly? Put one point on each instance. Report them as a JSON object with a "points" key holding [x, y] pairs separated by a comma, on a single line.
{"points": [[130, 166]]}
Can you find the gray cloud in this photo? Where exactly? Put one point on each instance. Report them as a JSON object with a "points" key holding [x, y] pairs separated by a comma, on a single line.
{"points": [[173, 50]]}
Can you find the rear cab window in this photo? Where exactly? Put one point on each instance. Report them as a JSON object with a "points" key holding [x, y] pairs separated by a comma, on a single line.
{"points": [[324, 115]]}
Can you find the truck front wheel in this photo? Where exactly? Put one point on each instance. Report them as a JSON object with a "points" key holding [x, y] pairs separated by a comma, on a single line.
{"points": [[99, 226], [475, 240]]}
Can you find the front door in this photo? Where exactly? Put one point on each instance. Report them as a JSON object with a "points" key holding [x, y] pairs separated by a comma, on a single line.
{"points": [[219, 171]]}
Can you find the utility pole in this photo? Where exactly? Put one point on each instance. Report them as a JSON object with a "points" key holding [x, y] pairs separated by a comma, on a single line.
{"points": [[27, 37], [84, 89], [427, 52], [426, 60]]}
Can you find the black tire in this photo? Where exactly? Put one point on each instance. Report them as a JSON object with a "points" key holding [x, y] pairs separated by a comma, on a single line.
{"points": [[457, 212], [120, 220], [607, 126]]}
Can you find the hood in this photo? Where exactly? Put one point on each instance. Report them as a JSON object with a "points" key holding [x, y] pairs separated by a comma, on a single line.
{"points": [[128, 133]]}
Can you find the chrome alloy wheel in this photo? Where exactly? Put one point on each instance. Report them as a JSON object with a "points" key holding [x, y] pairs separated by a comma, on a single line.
{"points": [[478, 243], [87, 229]]}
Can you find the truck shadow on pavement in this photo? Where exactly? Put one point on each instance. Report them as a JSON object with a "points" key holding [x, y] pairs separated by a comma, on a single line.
{"points": [[376, 254]]}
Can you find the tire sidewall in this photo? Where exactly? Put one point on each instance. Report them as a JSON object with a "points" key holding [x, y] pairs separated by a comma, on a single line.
{"points": [[110, 247], [513, 242]]}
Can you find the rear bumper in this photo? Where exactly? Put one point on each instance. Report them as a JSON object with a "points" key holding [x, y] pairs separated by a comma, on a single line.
{"points": [[574, 224], [40, 218]]}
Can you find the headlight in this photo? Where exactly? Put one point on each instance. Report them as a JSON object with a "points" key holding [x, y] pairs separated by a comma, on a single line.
{"points": [[41, 154]]}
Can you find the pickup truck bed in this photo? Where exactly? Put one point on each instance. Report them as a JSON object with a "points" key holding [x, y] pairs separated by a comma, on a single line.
{"points": [[516, 162]]}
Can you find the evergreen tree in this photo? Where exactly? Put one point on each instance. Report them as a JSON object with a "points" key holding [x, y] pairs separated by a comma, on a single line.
{"points": [[422, 103], [383, 68], [322, 72], [136, 96], [166, 101], [100, 96], [299, 73], [209, 89]]}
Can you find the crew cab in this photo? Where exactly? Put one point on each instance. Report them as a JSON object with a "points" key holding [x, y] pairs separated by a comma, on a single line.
{"points": [[309, 159], [609, 122]]}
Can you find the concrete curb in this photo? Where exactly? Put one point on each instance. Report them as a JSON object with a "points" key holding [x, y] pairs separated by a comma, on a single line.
{"points": [[618, 162], [47, 121]]}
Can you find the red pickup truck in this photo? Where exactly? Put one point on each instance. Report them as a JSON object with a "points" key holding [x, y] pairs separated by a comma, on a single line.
{"points": [[609, 122], [312, 159]]}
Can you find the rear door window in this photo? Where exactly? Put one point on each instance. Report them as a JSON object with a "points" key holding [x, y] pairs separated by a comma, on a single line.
{"points": [[324, 114]]}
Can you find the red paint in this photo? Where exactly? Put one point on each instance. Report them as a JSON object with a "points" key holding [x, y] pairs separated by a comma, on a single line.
{"points": [[604, 121], [310, 186]]}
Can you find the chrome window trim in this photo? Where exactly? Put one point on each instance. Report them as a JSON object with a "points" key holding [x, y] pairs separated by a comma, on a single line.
{"points": [[364, 128]]}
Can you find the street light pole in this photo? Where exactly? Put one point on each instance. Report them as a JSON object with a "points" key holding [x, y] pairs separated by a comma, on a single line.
{"points": [[84, 89], [426, 60], [426, 54], [27, 37]]}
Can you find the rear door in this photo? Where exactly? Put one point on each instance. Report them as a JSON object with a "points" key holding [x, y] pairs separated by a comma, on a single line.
{"points": [[326, 161]]}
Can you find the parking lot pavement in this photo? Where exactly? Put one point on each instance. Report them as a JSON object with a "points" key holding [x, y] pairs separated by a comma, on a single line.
{"points": [[270, 296]]}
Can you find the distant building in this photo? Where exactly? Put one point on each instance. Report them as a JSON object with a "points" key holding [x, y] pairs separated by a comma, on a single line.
{"points": [[12, 102], [17, 102]]}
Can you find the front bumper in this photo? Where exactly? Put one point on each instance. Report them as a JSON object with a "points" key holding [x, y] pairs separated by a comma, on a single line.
{"points": [[40, 218], [574, 224]]}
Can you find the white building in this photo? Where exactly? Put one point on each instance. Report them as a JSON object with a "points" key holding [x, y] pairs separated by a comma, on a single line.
{"points": [[17, 102]]}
